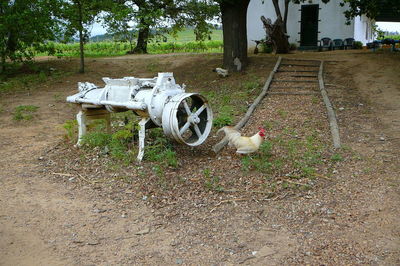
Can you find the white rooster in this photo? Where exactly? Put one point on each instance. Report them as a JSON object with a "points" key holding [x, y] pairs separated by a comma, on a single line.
{"points": [[243, 145]]}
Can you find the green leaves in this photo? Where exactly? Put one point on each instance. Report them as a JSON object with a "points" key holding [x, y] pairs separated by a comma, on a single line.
{"points": [[25, 24]]}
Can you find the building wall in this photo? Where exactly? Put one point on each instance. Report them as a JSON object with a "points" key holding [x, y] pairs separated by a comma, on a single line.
{"points": [[255, 29], [363, 29], [331, 24]]}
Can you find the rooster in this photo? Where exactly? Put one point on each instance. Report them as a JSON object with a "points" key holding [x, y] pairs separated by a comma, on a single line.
{"points": [[243, 145]]}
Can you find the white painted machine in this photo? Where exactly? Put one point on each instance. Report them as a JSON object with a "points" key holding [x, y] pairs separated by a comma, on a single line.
{"points": [[184, 117]]}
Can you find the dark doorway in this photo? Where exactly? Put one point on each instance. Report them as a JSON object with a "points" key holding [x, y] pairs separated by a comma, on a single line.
{"points": [[309, 25]]}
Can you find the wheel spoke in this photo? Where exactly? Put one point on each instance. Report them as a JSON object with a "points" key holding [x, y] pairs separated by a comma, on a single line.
{"points": [[187, 109], [201, 109], [197, 130], [184, 128]]}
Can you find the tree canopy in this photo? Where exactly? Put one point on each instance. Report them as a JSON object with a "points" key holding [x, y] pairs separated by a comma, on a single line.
{"points": [[372, 8], [24, 25]]}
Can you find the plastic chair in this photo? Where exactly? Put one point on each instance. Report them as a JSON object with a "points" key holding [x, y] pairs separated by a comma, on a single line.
{"points": [[338, 44], [326, 43], [349, 43]]}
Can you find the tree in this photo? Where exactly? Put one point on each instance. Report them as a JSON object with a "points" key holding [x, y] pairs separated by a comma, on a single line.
{"points": [[78, 15], [25, 26], [159, 17], [196, 14], [128, 17], [234, 27], [372, 8]]}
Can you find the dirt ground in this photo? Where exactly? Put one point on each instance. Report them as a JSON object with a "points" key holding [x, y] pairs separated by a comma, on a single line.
{"points": [[350, 216]]}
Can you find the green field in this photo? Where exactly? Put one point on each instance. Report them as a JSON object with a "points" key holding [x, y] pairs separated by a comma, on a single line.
{"points": [[187, 35], [183, 42], [394, 37]]}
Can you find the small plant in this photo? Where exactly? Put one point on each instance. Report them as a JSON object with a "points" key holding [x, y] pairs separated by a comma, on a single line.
{"points": [[265, 46], [336, 157], [222, 120], [282, 113], [259, 161], [24, 112], [96, 139], [250, 85], [71, 128], [211, 182], [292, 46], [160, 150], [224, 117], [358, 45]]}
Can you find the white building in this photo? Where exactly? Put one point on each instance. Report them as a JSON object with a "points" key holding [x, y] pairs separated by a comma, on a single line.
{"points": [[309, 22]]}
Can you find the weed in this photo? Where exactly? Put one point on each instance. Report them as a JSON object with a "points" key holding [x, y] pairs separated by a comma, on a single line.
{"points": [[226, 99], [307, 172], [315, 100], [282, 113], [24, 112], [250, 85], [71, 126], [336, 157], [224, 117], [222, 120], [96, 139], [260, 160], [268, 125], [160, 150], [211, 182]]}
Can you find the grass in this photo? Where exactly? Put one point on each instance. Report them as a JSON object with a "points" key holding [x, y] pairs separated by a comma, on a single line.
{"points": [[24, 112], [28, 77], [187, 35]]}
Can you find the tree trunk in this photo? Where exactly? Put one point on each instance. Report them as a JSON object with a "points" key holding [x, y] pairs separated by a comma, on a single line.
{"points": [[143, 38], [234, 26], [285, 16], [277, 9], [3, 63], [276, 35], [81, 40]]}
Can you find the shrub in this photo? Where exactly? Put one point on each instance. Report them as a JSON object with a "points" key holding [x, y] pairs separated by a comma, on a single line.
{"points": [[293, 46], [358, 45]]}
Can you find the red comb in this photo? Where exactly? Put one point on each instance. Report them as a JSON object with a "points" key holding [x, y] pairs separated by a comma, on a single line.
{"points": [[262, 132]]}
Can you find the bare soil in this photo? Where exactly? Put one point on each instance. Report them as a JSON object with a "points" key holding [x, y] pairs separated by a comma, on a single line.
{"points": [[50, 215]]}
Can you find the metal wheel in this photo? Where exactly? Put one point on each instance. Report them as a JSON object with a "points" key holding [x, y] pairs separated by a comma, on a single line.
{"points": [[187, 118]]}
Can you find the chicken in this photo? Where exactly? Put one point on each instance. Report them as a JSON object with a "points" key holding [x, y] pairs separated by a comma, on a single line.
{"points": [[221, 72], [243, 145]]}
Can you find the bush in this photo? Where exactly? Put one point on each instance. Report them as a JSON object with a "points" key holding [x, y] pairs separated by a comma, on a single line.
{"points": [[293, 47], [265, 47], [358, 45]]}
